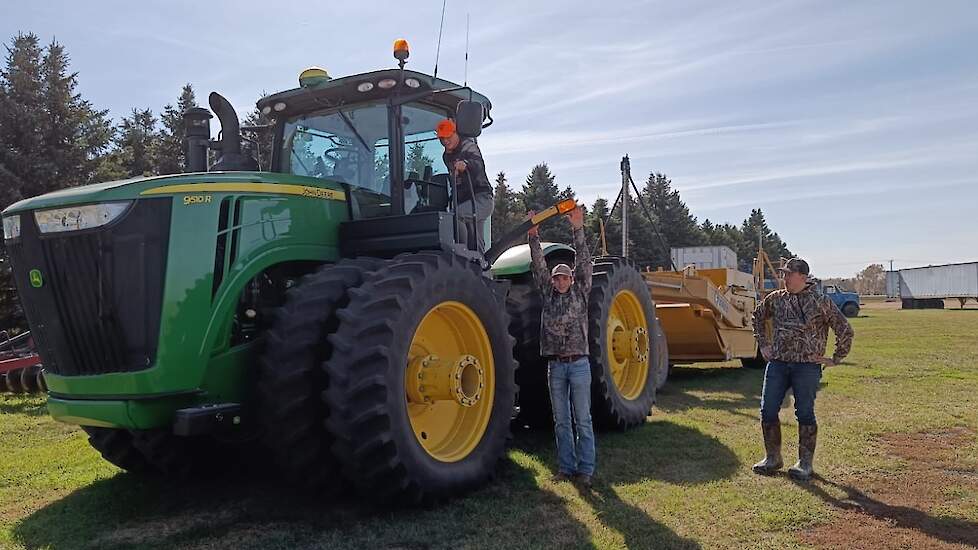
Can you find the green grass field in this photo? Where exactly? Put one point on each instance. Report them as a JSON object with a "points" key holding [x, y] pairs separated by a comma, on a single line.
{"points": [[897, 456]]}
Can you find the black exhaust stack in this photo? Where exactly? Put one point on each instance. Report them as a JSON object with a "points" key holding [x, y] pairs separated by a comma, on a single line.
{"points": [[197, 137], [230, 144]]}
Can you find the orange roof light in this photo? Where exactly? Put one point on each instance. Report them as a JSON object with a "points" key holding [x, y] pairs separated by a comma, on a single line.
{"points": [[401, 51]]}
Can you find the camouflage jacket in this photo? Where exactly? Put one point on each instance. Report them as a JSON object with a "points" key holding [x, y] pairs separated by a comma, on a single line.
{"points": [[796, 326], [563, 323], [468, 152]]}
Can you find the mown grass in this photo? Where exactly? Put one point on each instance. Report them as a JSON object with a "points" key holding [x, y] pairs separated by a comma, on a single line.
{"points": [[680, 481]]}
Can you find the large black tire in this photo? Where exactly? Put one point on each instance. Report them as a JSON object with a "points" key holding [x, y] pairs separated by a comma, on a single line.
{"points": [[291, 377], [660, 356], [116, 446], [850, 309], [524, 305], [610, 408], [367, 393], [3, 383]]}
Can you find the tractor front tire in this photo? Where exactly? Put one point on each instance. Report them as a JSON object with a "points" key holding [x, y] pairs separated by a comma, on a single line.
{"points": [[622, 346], [116, 446], [291, 379], [15, 382], [421, 380]]}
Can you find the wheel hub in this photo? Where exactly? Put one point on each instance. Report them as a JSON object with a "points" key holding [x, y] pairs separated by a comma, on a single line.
{"points": [[432, 379]]}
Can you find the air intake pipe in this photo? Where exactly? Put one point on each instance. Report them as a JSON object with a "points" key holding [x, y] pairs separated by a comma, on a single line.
{"points": [[230, 144]]}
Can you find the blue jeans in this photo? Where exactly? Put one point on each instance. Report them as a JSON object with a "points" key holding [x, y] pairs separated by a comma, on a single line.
{"points": [[570, 387], [802, 378]]}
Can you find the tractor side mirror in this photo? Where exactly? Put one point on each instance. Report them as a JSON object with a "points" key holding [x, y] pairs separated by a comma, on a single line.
{"points": [[468, 118]]}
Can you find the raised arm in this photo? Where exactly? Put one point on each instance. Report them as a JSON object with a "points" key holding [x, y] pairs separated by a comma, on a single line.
{"points": [[582, 256], [841, 327], [538, 265]]}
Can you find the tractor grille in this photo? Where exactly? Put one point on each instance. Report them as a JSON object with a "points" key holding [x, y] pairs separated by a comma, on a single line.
{"points": [[98, 309]]}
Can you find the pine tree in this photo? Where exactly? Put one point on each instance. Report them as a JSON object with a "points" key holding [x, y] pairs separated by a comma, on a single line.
{"points": [[261, 148], [171, 158], [50, 138], [138, 142], [753, 230], [417, 160], [539, 192], [507, 212], [678, 227]]}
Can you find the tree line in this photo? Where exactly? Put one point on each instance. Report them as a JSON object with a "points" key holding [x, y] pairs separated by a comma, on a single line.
{"points": [[668, 217], [52, 138]]}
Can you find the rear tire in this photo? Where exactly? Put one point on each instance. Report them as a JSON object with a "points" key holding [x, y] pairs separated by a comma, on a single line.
{"points": [[292, 379], [620, 310], [524, 305], [395, 447]]}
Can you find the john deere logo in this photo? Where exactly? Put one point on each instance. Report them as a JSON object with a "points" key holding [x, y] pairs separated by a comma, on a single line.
{"points": [[36, 279]]}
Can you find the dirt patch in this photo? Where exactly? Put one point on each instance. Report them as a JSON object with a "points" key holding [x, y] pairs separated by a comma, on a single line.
{"points": [[902, 510]]}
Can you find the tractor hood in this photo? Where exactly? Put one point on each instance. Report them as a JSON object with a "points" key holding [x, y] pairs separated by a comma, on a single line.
{"points": [[201, 182]]}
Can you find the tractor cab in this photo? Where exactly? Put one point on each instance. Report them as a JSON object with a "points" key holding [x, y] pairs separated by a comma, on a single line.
{"points": [[374, 134]]}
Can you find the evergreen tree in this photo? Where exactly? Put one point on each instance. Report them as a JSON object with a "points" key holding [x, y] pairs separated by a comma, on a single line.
{"points": [[755, 230], [261, 148], [676, 225], [138, 142], [416, 159], [592, 227], [171, 157], [50, 138], [507, 212], [539, 192]]}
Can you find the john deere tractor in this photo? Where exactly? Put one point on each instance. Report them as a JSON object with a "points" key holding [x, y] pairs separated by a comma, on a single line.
{"points": [[319, 306]]}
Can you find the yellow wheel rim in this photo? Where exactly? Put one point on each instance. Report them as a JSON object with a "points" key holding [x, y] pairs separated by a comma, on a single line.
{"points": [[628, 344], [450, 381]]}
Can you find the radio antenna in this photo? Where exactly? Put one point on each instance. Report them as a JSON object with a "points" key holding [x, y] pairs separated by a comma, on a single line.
{"points": [[465, 82], [438, 49]]}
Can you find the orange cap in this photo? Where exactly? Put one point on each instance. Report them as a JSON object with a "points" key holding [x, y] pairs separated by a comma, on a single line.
{"points": [[445, 128]]}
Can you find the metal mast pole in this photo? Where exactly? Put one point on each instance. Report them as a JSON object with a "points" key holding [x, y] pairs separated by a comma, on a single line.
{"points": [[625, 172]]}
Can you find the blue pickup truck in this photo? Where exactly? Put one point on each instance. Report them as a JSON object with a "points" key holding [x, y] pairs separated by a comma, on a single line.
{"points": [[847, 302]]}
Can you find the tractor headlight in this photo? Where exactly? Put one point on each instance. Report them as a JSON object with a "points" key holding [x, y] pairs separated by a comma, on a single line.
{"points": [[75, 218], [11, 227]]}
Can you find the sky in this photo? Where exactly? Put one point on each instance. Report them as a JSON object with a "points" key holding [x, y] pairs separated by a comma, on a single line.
{"points": [[853, 125]]}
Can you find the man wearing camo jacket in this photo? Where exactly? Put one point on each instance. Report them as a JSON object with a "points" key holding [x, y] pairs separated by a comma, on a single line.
{"points": [[564, 342], [791, 326]]}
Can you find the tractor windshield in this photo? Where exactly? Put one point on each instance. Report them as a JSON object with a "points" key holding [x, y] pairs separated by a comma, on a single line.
{"points": [[346, 145]]}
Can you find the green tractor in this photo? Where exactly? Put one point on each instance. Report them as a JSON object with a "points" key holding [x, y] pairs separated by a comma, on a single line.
{"points": [[319, 307]]}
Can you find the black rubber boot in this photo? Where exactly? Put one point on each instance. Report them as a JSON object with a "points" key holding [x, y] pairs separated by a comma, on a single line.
{"points": [[807, 436], [772, 445]]}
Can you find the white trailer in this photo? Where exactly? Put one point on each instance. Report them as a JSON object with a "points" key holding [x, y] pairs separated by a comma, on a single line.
{"points": [[922, 287], [704, 257]]}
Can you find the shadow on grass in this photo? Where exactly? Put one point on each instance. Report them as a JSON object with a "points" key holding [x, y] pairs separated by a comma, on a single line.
{"points": [[634, 524], [741, 388], [950, 530], [253, 509], [658, 450]]}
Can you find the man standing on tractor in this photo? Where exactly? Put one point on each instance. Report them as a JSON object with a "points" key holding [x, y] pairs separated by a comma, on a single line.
{"points": [[795, 349], [464, 159], [563, 340]]}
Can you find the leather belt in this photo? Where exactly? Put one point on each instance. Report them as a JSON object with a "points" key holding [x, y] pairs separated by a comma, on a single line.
{"points": [[566, 358]]}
